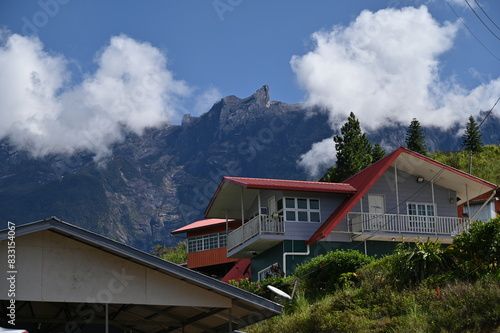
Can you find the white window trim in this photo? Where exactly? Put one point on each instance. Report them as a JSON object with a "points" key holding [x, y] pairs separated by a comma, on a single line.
{"points": [[265, 270], [192, 242], [421, 203], [296, 209]]}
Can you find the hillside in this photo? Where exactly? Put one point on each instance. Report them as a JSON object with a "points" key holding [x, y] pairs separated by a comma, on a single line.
{"points": [[164, 179], [422, 287], [485, 165]]}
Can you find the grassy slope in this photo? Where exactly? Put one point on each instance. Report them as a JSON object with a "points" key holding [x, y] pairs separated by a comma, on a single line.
{"points": [[460, 307], [485, 165]]}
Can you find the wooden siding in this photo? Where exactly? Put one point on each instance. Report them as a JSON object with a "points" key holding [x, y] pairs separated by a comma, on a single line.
{"points": [[410, 191], [303, 230], [208, 258]]}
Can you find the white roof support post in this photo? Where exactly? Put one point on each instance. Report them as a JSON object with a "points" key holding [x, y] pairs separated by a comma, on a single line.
{"points": [[396, 186], [258, 202], [242, 208], [482, 207]]}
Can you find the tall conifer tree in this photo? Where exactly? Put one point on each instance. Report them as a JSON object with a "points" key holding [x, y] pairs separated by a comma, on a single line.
{"points": [[471, 140], [415, 139], [354, 151]]}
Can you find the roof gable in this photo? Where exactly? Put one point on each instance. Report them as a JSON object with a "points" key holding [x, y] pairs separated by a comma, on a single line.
{"points": [[414, 164]]}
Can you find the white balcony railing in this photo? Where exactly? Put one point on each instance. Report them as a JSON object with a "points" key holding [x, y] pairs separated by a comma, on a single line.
{"points": [[261, 224], [410, 224]]}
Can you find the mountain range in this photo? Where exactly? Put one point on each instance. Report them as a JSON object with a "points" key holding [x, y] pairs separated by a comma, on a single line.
{"points": [[164, 179]]}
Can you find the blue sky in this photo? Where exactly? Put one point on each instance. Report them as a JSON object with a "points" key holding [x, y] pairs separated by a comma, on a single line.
{"points": [[375, 58]]}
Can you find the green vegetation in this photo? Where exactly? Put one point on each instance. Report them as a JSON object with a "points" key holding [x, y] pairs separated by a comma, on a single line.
{"points": [[415, 138], [354, 152], [485, 163], [176, 254], [422, 287], [472, 137]]}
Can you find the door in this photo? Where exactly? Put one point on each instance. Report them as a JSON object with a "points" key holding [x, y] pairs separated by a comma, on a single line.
{"points": [[271, 204], [376, 210]]}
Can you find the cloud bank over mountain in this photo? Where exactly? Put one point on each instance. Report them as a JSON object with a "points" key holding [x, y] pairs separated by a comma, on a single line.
{"points": [[385, 67], [43, 112]]}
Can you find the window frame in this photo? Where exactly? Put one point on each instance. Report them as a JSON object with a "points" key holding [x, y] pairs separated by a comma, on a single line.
{"points": [[426, 204], [206, 242], [264, 271], [286, 211]]}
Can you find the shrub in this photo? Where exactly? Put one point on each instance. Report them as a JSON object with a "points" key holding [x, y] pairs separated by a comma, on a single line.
{"points": [[324, 273], [260, 287], [477, 250]]}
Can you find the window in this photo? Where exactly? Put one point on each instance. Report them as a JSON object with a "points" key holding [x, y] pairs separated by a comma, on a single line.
{"points": [[299, 209], [421, 217], [420, 209], [206, 242], [269, 271]]}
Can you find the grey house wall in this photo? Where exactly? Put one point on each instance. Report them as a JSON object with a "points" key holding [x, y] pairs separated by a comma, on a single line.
{"points": [[410, 191], [328, 202]]}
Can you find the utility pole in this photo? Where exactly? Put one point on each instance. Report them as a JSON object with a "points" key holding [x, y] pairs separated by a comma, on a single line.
{"points": [[489, 112]]}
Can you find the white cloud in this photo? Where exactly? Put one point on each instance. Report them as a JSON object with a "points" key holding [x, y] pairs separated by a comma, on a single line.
{"points": [[319, 158], [384, 67], [206, 100], [132, 89]]}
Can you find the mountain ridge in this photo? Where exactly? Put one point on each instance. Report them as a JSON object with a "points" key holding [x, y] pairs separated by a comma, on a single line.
{"points": [[164, 179]]}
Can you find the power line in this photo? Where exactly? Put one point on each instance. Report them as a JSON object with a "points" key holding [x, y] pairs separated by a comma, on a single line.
{"points": [[489, 112], [465, 25], [480, 19], [489, 18]]}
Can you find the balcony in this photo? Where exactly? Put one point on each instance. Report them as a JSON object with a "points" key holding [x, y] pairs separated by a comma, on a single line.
{"points": [[257, 235], [393, 226]]}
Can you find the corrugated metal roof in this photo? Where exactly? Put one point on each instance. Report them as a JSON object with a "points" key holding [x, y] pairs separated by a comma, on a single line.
{"points": [[200, 224], [244, 304], [290, 185]]}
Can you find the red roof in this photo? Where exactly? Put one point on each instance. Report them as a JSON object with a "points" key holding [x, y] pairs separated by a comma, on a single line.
{"points": [[200, 224], [365, 179], [289, 185], [240, 270]]}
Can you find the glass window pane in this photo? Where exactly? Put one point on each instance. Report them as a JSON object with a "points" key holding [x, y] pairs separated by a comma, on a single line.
{"points": [[314, 204], [290, 203], [421, 210], [302, 203], [314, 217], [302, 216], [430, 210], [290, 216], [412, 209], [222, 239]]}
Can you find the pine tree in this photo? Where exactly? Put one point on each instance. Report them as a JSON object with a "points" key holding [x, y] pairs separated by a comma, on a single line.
{"points": [[377, 152], [471, 140], [415, 139], [354, 151]]}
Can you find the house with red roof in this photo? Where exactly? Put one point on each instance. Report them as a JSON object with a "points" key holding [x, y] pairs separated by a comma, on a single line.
{"points": [[404, 196], [206, 249]]}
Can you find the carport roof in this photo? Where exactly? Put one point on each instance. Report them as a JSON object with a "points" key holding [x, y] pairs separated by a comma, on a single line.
{"points": [[246, 309]]}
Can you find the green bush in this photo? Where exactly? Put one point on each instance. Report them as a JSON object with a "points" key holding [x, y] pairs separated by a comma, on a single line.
{"points": [[260, 287], [324, 273], [477, 250]]}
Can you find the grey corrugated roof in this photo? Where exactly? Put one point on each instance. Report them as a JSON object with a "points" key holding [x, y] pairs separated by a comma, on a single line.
{"points": [[241, 299]]}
